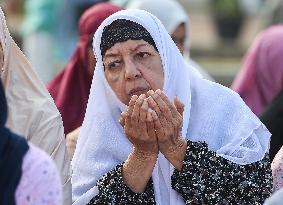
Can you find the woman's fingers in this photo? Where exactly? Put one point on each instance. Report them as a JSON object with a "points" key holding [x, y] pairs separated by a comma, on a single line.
{"points": [[179, 105], [153, 105], [157, 126], [169, 115], [177, 108], [122, 119], [128, 117], [143, 111], [142, 118], [139, 126], [160, 107], [167, 101], [150, 125], [136, 111], [132, 104]]}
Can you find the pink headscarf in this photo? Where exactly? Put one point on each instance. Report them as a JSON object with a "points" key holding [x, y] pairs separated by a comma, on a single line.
{"points": [[70, 88], [261, 77]]}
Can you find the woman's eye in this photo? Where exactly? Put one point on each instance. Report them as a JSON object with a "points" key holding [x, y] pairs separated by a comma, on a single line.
{"points": [[142, 55], [113, 65]]}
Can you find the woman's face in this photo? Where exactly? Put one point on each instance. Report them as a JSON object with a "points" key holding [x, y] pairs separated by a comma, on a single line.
{"points": [[132, 68], [1, 57], [179, 37]]}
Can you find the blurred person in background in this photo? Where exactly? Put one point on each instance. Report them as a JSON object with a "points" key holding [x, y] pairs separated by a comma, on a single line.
{"points": [[274, 12], [28, 175], [33, 113], [260, 81], [272, 117], [176, 21], [67, 34], [70, 88]]}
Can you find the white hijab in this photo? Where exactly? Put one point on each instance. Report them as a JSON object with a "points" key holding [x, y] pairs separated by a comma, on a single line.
{"points": [[213, 114], [33, 113]]}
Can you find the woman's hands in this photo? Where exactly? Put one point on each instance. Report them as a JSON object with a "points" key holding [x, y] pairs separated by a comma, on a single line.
{"points": [[168, 120], [152, 123], [139, 126]]}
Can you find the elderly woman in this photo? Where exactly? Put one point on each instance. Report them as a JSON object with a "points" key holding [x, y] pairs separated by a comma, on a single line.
{"points": [[33, 113], [28, 175], [206, 147]]}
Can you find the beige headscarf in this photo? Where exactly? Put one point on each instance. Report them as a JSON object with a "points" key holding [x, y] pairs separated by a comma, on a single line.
{"points": [[32, 111]]}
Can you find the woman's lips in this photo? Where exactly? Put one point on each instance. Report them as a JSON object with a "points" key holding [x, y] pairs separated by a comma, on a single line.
{"points": [[138, 91]]}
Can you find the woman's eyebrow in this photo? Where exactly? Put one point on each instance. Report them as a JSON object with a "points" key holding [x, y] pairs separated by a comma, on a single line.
{"points": [[110, 55], [113, 55], [140, 45]]}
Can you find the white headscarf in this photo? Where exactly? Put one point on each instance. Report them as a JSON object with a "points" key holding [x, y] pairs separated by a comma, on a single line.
{"points": [[33, 113], [213, 114]]}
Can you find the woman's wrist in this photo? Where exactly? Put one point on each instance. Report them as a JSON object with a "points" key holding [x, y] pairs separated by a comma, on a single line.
{"points": [[145, 155], [175, 152], [138, 168], [172, 146]]}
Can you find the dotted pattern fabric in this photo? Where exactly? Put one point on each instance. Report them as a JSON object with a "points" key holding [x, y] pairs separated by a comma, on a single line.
{"points": [[40, 182], [205, 179]]}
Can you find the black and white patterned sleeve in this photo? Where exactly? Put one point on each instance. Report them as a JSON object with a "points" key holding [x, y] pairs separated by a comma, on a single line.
{"points": [[112, 190], [207, 178]]}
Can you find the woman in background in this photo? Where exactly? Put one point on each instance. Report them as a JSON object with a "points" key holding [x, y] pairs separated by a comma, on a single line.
{"points": [[260, 82]]}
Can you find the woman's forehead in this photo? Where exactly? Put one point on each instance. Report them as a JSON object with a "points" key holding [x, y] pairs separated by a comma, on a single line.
{"points": [[132, 45]]}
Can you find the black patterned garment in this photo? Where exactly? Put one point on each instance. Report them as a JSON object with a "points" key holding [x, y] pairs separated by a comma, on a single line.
{"points": [[205, 179]]}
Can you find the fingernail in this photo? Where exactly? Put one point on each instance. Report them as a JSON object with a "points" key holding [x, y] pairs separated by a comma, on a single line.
{"points": [[150, 92], [133, 97], [158, 91], [142, 96]]}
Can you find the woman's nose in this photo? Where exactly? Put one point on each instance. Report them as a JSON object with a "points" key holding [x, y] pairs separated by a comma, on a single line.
{"points": [[131, 70]]}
